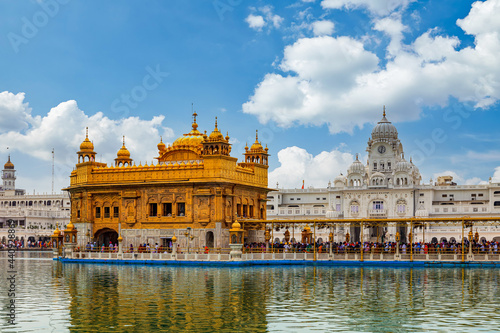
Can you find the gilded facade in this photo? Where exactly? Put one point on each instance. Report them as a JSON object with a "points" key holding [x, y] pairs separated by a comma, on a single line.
{"points": [[195, 190]]}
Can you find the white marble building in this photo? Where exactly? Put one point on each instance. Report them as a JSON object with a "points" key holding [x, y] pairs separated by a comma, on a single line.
{"points": [[35, 215], [388, 186]]}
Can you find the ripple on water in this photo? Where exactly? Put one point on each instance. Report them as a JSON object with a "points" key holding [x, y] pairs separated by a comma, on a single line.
{"points": [[81, 298]]}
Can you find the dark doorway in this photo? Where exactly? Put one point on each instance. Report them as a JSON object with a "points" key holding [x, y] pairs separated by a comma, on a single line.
{"points": [[209, 239], [105, 236]]}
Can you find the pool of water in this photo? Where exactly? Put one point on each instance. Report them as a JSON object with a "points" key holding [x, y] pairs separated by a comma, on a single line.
{"points": [[55, 297]]}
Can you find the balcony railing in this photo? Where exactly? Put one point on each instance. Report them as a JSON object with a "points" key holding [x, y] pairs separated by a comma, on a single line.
{"points": [[377, 212]]}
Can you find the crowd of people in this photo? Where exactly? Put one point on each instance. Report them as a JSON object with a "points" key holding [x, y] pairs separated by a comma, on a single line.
{"points": [[375, 247], [21, 244]]}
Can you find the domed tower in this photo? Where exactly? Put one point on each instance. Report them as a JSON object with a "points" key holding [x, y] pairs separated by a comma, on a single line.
{"points": [[9, 176], [384, 149], [256, 153], [123, 156], [356, 174], [187, 147], [216, 143], [86, 153]]}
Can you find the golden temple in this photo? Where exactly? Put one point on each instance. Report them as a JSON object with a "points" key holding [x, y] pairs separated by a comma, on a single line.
{"points": [[195, 191]]}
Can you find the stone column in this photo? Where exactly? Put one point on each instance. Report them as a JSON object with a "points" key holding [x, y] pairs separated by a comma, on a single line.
{"points": [[174, 247]]}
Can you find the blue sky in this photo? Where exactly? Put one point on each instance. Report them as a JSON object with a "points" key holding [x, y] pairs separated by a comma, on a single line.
{"points": [[311, 76]]}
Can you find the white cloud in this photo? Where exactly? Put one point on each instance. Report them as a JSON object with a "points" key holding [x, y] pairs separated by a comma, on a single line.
{"points": [[264, 18], [14, 113], [394, 28], [482, 19], [496, 175], [255, 22], [321, 28], [335, 81], [377, 7], [475, 181], [63, 128], [296, 164], [459, 179]]}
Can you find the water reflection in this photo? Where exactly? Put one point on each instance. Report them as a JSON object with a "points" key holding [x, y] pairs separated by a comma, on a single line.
{"points": [[78, 298]]}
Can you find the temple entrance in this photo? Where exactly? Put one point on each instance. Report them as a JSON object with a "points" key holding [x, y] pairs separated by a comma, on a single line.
{"points": [[209, 239], [106, 235], [402, 234], [355, 234]]}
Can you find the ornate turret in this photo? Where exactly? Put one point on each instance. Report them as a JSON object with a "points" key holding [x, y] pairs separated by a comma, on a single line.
{"points": [[161, 146], [256, 153], [215, 143], [86, 153], [9, 176], [9, 165], [123, 156]]}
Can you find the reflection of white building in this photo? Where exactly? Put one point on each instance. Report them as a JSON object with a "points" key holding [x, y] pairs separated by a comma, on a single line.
{"points": [[388, 186], [36, 215]]}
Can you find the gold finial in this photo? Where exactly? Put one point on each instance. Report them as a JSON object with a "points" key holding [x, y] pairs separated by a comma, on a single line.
{"points": [[86, 132], [256, 136], [384, 111], [357, 157], [161, 138], [216, 122], [124, 140]]}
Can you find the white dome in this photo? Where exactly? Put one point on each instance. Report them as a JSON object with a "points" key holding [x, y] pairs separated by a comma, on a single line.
{"points": [[403, 166], [384, 130], [414, 167], [357, 167], [339, 178]]}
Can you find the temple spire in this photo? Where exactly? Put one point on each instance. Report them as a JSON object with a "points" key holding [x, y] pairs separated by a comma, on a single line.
{"points": [[86, 132], [384, 112], [195, 125], [256, 136]]}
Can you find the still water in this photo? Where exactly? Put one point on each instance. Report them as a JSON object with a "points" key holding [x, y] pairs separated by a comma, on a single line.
{"points": [[55, 297]]}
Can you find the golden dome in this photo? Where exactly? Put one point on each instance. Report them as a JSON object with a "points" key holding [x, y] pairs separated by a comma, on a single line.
{"points": [[256, 145], [123, 152], [70, 227], [236, 225], [192, 139], [57, 232], [174, 239], [86, 144], [216, 135], [161, 146], [120, 238], [8, 165], [307, 228]]}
